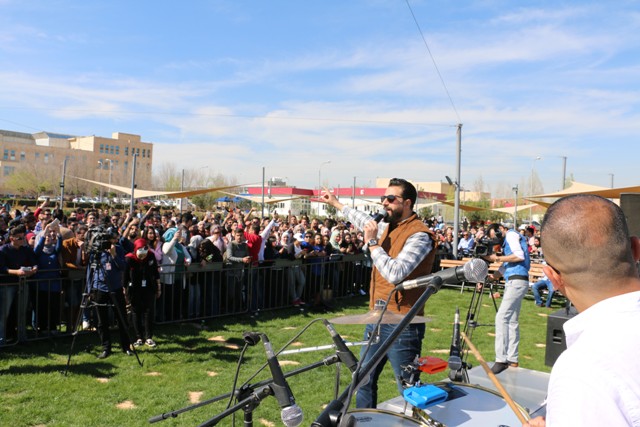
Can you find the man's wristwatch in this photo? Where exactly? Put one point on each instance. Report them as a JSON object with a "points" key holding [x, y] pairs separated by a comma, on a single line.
{"points": [[372, 242]]}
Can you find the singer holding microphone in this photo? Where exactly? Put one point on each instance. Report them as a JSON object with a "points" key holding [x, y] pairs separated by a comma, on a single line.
{"points": [[401, 248]]}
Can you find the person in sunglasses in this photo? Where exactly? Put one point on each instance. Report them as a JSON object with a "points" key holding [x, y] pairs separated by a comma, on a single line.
{"points": [[401, 248]]}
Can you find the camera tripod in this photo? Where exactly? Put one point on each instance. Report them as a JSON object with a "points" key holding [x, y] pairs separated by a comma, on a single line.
{"points": [[90, 301]]}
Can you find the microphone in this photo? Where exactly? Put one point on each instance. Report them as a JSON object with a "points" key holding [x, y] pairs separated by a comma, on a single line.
{"points": [[455, 362], [251, 338], [291, 413], [344, 354], [380, 215], [473, 271]]}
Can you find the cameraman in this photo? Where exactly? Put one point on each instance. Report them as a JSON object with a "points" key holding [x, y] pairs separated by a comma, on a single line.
{"points": [[515, 269], [104, 280]]}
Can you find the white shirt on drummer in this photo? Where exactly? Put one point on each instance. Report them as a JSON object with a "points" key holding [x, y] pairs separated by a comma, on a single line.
{"points": [[596, 381]]}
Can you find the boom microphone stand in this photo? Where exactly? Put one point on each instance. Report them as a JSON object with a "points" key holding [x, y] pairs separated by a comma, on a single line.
{"points": [[251, 396]]}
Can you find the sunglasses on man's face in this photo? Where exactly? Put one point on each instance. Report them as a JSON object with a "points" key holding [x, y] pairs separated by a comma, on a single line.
{"points": [[390, 197]]}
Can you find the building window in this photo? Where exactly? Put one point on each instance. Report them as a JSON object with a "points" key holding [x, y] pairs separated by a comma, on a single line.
{"points": [[117, 150], [126, 166], [37, 156], [144, 153], [126, 151], [6, 154], [23, 156], [149, 153], [101, 148], [8, 170], [13, 154], [111, 149], [138, 151], [46, 157]]}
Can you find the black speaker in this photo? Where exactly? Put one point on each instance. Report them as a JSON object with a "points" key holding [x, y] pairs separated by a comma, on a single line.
{"points": [[630, 205], [556, 343]]}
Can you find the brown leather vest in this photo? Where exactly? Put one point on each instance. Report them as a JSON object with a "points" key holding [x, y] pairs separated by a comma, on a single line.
{"points": [[393, 242]]}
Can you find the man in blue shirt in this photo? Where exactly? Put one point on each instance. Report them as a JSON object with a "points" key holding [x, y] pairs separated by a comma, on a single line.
{"points": [[515, 269]]}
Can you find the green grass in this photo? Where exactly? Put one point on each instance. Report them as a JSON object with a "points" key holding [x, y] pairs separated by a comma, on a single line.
{"points": [[190, 358]]}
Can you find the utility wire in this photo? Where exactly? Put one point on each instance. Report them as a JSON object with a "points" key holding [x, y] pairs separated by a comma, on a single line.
{"points": [[434, 61]]}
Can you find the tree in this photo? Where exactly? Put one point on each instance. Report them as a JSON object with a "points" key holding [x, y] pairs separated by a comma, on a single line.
{"points": [[425, 213]]}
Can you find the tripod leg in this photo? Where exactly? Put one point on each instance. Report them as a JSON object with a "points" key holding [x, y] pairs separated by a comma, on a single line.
{"points": [[122, 324], [83, 305]]}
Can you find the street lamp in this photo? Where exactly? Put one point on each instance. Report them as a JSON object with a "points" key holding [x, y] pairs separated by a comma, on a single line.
{"points": [[564, 171], [100, 179], [611, 175], [533, 165], [320, 181], [515, 214], [456, 215], [110, 171]]}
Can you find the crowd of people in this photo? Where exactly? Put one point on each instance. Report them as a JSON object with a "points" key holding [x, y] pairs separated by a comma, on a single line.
{"points": [[58, 257], [159, 265]]}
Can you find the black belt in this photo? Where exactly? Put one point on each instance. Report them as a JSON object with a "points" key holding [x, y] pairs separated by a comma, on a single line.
{"points": [[518, 277]]}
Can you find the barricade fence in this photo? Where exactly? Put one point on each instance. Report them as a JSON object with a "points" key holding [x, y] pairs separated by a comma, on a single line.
{"points": [[49, 304]]}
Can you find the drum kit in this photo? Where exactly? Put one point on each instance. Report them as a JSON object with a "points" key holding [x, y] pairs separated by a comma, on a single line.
{"points": [[466, 405]]}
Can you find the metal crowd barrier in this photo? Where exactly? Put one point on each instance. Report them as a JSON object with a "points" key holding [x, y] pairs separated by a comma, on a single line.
{"points": [[34, 309]]}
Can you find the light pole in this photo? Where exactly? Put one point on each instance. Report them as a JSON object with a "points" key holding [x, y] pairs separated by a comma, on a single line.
{"points": [[515, 213], [64, 171], [611, 175], [564, 171], [110, 171], [533, 165], [326, 162], [100, 179]]}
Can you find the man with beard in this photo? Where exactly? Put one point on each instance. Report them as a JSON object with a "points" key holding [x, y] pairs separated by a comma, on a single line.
{"points": [[401, 248]]}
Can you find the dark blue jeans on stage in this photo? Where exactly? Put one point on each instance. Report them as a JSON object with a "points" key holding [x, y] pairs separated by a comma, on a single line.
{"points": [[402, 352]]}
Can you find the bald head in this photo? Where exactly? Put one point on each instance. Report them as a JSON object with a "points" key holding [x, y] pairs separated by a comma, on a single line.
{"points": [[586, 239]]}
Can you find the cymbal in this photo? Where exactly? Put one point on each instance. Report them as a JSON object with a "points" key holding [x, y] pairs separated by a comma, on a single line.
{"points": [[373, 316]]}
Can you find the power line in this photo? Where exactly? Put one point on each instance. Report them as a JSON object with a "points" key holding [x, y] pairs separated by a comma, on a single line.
{"points": [[434, 61]]}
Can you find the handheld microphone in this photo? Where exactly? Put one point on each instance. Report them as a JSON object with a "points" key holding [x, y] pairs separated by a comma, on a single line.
{"points": [[380, 215], [344, 354], [473, 271], [291, 413], [455, 362]]}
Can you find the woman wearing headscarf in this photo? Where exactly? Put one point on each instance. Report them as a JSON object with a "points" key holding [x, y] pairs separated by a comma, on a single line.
{"points": [[142, 279], [175, 260], [48, 277]]}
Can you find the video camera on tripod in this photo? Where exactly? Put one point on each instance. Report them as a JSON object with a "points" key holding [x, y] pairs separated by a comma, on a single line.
{"points": [[100, 239], [487, 244]]}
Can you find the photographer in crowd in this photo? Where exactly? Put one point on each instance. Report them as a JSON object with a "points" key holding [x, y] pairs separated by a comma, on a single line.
{"points": [[104, 282]]}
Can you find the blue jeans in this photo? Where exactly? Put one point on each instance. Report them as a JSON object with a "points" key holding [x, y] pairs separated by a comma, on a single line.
{"points": [[402, 352], [507, 326], [542, 284]]}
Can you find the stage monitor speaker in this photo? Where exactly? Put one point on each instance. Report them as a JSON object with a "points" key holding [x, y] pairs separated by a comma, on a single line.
{"points": [[556, 343], [630, 204]]}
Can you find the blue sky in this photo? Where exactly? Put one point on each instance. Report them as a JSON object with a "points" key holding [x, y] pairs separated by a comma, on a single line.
{"points": [[285, 85]]}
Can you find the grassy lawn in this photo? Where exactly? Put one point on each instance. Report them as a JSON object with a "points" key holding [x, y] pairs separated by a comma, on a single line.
{"points": [[193, 363]]}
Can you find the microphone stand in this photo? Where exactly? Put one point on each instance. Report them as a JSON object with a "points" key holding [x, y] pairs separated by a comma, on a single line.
{"points": [[252, 399], [331, 416]]}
